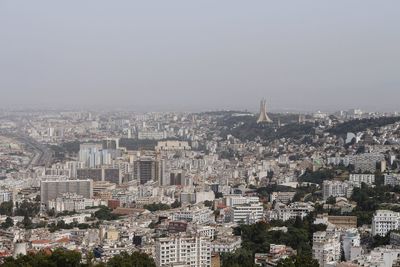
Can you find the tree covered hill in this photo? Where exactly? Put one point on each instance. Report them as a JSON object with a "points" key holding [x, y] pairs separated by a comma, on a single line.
{"points": [[360, 125], [247, 128]]}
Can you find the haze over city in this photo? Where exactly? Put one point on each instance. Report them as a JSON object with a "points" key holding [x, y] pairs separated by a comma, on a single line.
{"points": [[199, 133], [200, 55]]}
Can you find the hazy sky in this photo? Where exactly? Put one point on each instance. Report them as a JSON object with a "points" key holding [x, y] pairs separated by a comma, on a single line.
{"points": [[193, 55]]}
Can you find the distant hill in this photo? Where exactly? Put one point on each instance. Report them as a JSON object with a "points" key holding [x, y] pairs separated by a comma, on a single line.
{"points": [[246, 127], [360, 125]]}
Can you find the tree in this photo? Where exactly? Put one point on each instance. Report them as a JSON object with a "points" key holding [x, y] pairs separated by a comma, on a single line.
{"points": [[51, 212], [136, 259], [66, 258], [288, 262], [8, 223], [208, 203], [58, 257], [104, 213], [69, 258], [219, 195], [241, 257], [379, 241], [27, 222], [6, 208], [176, 204], [26, 208], [331, 200], [299, 261], [156, 207]]}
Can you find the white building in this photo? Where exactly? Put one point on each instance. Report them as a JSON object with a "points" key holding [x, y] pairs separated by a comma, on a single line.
{"points": [[326, 247], [235, 200], [204, 195], [336, 189], [226, 244], [392, 179], [357, 179], [351, 244], [339, 160], [187, 251], [366, 162], [78, 218], [72, 202], [380, 257], [283, 197], [153, 135], [93, 155], [5, 196], [293, 210], [172, 145], [247, 213], [385, 221], [51, 189], [195, 214], [205, 231]]}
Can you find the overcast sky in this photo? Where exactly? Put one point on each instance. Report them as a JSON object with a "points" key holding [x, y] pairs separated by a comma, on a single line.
{"points": [[198, 55]]}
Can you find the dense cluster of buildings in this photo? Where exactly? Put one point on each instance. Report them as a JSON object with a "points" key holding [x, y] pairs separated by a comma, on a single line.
{"points": [[174, 185]]}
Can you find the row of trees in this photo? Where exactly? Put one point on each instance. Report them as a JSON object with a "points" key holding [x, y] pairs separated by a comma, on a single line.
{"points": [[162, 206], [25, 208], [67, 258]]}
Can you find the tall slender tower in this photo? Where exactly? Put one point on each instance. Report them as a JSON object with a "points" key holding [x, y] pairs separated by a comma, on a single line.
{"points": [[263, 117]]}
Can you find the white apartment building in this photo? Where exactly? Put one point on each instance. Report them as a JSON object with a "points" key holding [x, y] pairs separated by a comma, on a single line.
{"points": [[78, 218], [385, 221], [336, 189], [71, 202], [226, 244], [283, 197], [357, 179], [247, 213], [293, 210], [93, 155], [326, 247], [154, 135], [205, 231], [187, 251], [235, 200], [366, 162], [351, 244], [51, 189], [380, 257], [5, 196], [339, 160], [392, 179], [195, 214], [172, 145], [204, 195]]}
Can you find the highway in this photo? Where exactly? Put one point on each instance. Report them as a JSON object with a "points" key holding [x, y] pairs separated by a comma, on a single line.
{"points": [[43, 155]]}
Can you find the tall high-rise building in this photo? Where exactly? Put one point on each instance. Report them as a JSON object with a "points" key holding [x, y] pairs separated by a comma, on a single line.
{"points": [[263, 117], [94, 155], [148, 169], [51, 189]]}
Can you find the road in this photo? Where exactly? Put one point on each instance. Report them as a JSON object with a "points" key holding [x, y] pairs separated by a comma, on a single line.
{"points": [[42, 154]]}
